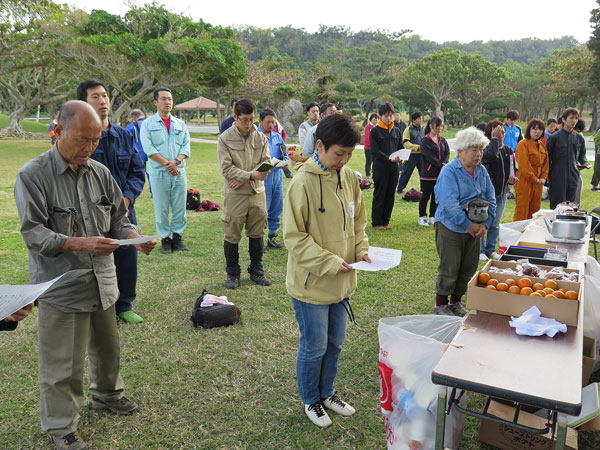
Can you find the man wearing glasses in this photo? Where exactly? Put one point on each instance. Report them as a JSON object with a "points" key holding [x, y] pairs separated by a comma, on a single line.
{"points": [[242, 149], [166, 141]]}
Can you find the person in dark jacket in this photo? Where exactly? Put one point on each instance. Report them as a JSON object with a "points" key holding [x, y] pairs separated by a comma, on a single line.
{"points": [[498, 159], [385, 139], [563, 149], [411, 139], [435, 153], [10, 323]]}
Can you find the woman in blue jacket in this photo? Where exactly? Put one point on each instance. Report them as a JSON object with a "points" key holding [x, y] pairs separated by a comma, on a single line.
{"points": [[457, 237]]}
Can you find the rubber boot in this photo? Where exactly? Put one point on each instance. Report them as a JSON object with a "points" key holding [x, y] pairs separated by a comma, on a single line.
{"points": [[232, 259], [255, 269]]}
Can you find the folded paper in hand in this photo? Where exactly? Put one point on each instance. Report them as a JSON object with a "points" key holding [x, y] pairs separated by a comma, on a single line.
{"points": [[531, 323], [403, 154]]}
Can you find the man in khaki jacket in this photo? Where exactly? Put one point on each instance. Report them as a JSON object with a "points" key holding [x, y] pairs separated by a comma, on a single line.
{"points": [[242, 149]]}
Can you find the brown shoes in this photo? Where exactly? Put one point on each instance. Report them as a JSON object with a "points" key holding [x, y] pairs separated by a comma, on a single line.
{"points": [[71, 441], [122, 406]]}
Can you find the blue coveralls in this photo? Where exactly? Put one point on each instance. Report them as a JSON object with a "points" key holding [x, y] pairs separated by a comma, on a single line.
{"points": [[118, 153], [274, 184], [169, 192]]}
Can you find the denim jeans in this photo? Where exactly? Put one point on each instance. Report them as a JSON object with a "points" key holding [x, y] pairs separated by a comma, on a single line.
{"points": [[274, 194], [488, 242], [322, 331], [414, 161]]}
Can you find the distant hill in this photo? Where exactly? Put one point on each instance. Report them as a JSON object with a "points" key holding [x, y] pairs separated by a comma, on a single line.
{"points": [[306, 47]]}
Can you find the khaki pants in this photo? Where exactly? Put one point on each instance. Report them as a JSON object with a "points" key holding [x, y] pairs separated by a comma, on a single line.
{"points": [[459, 257], [239, 210], [62, 341]]}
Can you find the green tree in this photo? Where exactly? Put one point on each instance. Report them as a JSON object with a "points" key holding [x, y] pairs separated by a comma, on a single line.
{"points": [[594, 46], [480, 81], [30, 75], [150, 47], [436, 75]]}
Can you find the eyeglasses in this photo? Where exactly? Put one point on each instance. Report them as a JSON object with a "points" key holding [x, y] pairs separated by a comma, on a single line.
{"points": [[247, 120]]}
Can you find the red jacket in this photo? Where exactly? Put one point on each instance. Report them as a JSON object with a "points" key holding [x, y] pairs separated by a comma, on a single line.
{"points": [[368, 129]]}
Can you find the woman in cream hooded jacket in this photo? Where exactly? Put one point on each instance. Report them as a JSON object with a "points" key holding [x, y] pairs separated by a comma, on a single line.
{"points": [[324, 231]]}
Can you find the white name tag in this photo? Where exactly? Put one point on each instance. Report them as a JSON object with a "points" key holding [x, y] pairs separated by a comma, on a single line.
{"points": [[351, 209]]}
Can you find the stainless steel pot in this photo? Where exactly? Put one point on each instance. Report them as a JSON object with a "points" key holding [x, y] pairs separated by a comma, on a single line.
{"points": [[567, 229]]}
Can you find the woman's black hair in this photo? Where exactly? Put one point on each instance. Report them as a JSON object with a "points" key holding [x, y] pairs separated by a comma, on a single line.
{"points": [[337, 129], [266, 113], [434, 121], [244, 106], [373, 115], [490, 126], [534, 123], [580, 125]]}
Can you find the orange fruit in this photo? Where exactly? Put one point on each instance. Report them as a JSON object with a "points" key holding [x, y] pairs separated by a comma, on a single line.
{"points": [[571, 295], [491, 286], [535, 294], [514, 290], [484, 277], [563, 290], [551, 296], [548, 290], [526, 291], [493, 282], [551, 284], [538, 286], [541, 292], [510, 282], [558, 294], [525, 282], [502, 287]]}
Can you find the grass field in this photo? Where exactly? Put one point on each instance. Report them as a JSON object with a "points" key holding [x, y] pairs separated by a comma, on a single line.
{"points": [[28, 125], [228, 388]]}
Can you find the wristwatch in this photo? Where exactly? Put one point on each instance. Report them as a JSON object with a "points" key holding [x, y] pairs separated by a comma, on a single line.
{"points": [[177, 161]]}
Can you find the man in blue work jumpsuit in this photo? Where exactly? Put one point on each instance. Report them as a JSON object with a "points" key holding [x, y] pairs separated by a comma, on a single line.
{"points": [[274, 181], [166, 141], [117, 152]]}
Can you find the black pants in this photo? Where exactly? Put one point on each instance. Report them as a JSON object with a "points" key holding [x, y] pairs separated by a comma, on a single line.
{"points": [[385, 176], [426, 192], [368, 162], [414, 161]]}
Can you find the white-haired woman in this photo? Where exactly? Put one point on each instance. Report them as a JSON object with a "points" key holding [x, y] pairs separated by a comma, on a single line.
{"points": [[460, 219]]}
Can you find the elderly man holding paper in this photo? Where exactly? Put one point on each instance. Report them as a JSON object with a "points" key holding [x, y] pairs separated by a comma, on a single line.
{"points": [[68, 204]]}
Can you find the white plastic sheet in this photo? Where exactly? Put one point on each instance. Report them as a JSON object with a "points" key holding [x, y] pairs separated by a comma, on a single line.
{"points": [[510, 233], [410, 348]]}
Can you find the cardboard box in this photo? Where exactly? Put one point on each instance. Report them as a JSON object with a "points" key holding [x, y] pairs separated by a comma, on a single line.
{"points": [[536, 245], [508, 438], [482, 299], [589, 358]]}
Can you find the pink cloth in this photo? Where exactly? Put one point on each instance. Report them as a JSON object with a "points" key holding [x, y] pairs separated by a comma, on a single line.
{"points": [[207, 205], [210, 300]]}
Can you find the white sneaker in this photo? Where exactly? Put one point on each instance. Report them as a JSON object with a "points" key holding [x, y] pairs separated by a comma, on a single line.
{"points": [[317, 414], [495, 255], [431, 220], [423, 221], [482, 257], [339, 406]]}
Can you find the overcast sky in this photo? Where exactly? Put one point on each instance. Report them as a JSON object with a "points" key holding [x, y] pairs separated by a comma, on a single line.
{"points": [[436, 20]]}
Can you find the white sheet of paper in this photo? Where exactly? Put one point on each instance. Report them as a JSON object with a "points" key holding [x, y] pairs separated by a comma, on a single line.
{"points": [[382, 259], [138, 240], [404, 154], [277, 163], [13, 298]]}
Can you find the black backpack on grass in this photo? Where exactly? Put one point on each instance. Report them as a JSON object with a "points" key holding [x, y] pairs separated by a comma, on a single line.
{"points": [[412, 196], [193, 199], [215, 315]]}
